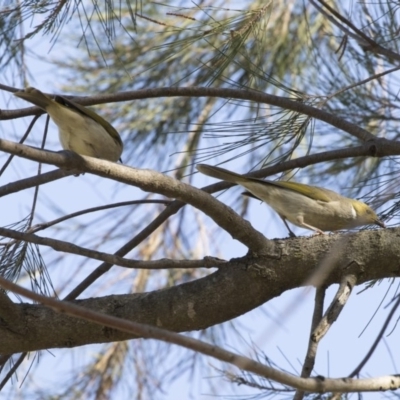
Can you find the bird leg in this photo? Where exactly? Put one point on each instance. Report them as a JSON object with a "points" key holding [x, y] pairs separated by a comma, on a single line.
{"points": [[301, 222], [291, 234], [74, 160]]}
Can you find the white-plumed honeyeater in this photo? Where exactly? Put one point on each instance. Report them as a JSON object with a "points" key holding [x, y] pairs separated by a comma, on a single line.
{"points": [[309, 207], [80, 129]]}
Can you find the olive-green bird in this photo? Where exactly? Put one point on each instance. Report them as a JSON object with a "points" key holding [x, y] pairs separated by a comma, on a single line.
{"points": [[80, 129], [309, 207]]}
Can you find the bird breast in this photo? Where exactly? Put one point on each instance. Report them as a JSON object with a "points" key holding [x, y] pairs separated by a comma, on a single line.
{"points": [[84, 135]]}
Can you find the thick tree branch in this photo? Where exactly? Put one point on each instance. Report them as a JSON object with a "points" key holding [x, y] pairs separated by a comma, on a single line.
{"points": [[311, 384], [9, 312], [219, 297]]}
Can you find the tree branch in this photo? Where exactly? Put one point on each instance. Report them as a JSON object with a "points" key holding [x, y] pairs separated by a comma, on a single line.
{"points": [[198, 305], [310, 384], [225, 93], [322, 327], [309, 361], [56, 221], [364, 40], [36, 180], [67, 247], [359, 367], [155, 182], [173, 208], [9, 313]]}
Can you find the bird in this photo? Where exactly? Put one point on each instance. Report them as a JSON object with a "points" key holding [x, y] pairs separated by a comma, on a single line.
{"points": [[80, 129], [310, 207]]}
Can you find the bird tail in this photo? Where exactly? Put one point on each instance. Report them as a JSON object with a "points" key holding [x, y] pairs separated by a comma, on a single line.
{"points": [[34, 96], [221, 173]]}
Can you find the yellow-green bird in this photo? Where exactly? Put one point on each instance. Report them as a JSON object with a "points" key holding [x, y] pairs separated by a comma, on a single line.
{"points": [[80, 129], [309, 207]]}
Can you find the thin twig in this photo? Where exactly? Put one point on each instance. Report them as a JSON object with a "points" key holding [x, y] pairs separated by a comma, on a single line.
{"points": [[362, 82], [13, 369], [364, 40], [39, 172], [360, 33], [22, 140], [172, 209], [27, 183], [357, 370], [309, 361], [45, 225], [339, 301], [335, 308], [60, 245]]}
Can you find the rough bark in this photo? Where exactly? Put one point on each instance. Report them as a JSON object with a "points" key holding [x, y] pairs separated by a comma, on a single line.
{"points": [[238, 287]]}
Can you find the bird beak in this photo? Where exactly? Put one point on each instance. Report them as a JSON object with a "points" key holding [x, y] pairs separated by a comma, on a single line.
{"points": [[380, 223]]}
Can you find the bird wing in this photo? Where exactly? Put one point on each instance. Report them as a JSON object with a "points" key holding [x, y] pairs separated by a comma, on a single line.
{"points": [[91, 114], [313, 192]]}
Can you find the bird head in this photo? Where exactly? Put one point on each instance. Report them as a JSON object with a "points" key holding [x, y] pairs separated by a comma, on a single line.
{"points": [[365, 215]]}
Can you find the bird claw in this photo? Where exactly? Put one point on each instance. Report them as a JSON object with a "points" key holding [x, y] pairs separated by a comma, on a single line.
{"points": [[74, 160]]}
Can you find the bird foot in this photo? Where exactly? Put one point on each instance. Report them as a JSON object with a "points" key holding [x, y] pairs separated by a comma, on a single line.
{"points": [[74, 160]]}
